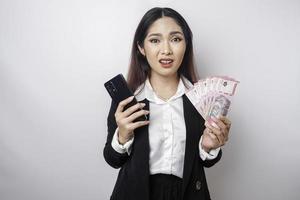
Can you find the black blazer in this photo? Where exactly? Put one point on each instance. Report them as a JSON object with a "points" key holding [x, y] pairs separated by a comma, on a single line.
{"points": [[133, 178]]}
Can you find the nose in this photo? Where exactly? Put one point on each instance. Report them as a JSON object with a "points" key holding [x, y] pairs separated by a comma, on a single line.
{"points": [[166, 49]]}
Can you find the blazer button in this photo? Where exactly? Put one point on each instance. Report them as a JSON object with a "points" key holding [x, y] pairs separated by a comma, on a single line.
{"points": [[198, 185]]}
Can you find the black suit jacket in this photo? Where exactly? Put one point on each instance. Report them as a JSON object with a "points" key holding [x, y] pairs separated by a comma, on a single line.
{"points": [[133, 178]]}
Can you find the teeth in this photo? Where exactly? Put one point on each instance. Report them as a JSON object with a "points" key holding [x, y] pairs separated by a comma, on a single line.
{"points": [[165, 61]]}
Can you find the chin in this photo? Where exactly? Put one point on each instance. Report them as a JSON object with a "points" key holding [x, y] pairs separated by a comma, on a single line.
{"points": [[166, 73], [159, 70]]}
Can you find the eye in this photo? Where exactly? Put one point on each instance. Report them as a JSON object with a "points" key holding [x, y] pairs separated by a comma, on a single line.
{"points": [[154, 40], [176, 39]]}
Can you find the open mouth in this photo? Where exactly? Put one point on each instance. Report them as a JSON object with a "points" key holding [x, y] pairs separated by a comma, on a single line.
{"points": [[166, 61]]}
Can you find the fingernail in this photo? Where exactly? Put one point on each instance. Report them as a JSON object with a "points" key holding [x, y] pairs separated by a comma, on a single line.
{"points": [[215, 125], [209, 121], [214, 118]]}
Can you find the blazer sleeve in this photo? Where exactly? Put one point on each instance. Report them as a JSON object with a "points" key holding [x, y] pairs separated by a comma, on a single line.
{"points": [[112, 157], [210, 163]]}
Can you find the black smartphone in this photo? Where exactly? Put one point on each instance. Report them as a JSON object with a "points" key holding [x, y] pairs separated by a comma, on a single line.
{"points": [[118, 90]]}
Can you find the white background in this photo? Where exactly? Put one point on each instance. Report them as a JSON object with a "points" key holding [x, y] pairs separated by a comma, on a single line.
{"points": [[56, 55]]}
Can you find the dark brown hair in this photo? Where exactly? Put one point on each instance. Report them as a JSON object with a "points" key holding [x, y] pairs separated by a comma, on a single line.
{"points": [[139, 68]]}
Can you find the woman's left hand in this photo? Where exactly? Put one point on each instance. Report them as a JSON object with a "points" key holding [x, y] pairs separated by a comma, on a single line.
{"points": [[213, 137]]}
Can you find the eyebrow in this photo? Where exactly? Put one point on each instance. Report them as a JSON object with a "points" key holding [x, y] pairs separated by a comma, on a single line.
{"points": [[171, 33]]}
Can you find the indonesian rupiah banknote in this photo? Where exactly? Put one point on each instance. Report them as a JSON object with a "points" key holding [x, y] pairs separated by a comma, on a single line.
{"points": [[212, 96]]}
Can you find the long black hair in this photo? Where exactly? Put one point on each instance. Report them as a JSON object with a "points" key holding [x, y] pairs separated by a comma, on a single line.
{"points": [[139, 68]]}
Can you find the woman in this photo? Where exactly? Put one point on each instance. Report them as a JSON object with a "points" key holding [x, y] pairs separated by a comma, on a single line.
{"points": [[163, 157]]}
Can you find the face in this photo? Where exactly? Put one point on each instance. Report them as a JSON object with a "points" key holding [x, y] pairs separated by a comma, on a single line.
{"points": [[164, 47]]}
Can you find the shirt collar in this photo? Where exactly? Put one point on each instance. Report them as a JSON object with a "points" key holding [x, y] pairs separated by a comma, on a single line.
{"points": [[148, 93]]}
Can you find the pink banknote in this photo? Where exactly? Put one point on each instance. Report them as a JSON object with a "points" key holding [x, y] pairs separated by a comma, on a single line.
{"points": [[212, 96]]}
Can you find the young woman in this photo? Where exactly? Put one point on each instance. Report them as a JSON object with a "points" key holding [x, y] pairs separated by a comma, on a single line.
{"points": [[163, 157]]}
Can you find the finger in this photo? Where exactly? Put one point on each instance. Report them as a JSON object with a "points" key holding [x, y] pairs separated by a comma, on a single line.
{"points": [[216, 136], [220, 137], [227, 134], [206, 131], [220, 140], [219, 134], [213, 137], [123, 103], [226, 138], [220, 123], [208, 125], [139, 124], [210, 122], [133, 109], [224, 129], [226, 121], [137, 114]]}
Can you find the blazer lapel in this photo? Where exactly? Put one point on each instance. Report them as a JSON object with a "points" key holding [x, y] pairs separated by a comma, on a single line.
{"points": [[141, 159], [193, 125]]}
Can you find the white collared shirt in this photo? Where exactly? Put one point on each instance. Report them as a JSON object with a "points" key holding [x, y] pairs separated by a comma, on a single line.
{"points": [[167, 131]]}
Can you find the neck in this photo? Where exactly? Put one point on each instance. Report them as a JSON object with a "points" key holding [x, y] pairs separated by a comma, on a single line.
{"points": [[164, 87]]}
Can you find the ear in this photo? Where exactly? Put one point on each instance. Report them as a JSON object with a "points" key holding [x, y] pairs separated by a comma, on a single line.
{"points": [[142, 50]]}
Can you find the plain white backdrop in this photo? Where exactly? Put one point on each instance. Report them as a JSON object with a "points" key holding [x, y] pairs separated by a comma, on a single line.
{"points": [[55, 56]]}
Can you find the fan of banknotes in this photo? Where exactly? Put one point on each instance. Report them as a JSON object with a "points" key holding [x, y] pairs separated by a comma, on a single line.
{"points": [[212, 96]]}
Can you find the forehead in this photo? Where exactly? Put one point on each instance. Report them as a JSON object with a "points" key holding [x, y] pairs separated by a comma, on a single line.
{"points": [[164, 25]]}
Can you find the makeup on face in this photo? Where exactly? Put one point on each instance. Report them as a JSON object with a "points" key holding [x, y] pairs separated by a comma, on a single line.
{"points": [[164, 46]]}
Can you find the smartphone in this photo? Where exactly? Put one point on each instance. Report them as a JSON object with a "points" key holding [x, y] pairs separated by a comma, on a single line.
{"points": [[118, 90]]}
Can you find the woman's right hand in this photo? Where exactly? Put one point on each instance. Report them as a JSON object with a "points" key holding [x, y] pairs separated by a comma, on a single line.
{"points": [[125, 119]]}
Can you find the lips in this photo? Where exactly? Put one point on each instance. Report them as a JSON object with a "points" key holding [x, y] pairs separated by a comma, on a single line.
{"points": [[166, 61]]}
